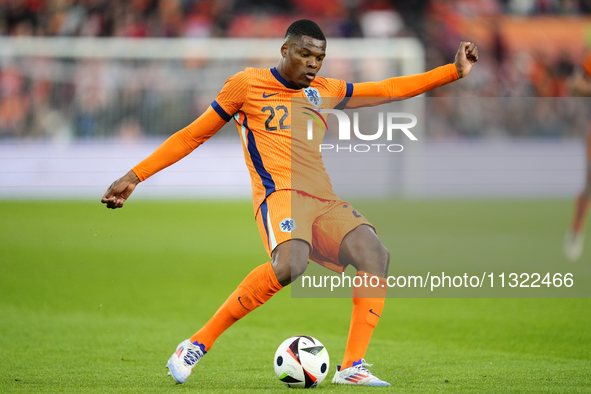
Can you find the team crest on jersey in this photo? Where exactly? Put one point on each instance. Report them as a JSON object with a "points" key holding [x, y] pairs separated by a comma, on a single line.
{"points": [[287, 225], [313, 96]]}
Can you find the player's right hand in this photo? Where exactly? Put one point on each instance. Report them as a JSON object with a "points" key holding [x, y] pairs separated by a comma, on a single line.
{"points": [[120, 190]]}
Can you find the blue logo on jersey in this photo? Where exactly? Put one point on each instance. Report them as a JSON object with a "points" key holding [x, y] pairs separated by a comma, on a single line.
{"points": [[313, 96], [287, 225]]}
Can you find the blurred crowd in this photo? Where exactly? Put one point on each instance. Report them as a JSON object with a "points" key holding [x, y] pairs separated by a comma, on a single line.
{"points": [[78, 106], [254, 18]]}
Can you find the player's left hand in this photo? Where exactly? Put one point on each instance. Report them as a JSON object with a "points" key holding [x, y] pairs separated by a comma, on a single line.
{"points": [[465, 58]]}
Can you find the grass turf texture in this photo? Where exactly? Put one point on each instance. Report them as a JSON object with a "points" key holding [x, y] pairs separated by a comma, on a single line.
{"points": [[93, 300]]}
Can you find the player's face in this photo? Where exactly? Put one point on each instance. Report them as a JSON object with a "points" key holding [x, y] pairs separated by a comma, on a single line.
{"points": [[303, 59]]}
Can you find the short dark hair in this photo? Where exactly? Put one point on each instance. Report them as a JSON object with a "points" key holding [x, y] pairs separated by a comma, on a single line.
{"points": [[304, 27]]}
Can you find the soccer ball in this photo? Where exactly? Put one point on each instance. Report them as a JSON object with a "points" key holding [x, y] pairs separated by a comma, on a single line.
{"points": [[301, 361]]}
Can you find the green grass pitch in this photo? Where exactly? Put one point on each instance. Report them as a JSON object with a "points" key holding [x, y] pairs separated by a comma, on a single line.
{"points": [[95, 301]]}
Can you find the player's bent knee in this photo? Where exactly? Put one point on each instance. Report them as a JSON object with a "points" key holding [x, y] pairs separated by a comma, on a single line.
{"points": [[376, 261], [298, 269], [288, 271], [363, 249], [385, 257], [377, 258], [290, 260]]}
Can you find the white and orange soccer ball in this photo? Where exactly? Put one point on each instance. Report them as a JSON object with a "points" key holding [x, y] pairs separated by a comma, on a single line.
{"points": [[302, 362]]}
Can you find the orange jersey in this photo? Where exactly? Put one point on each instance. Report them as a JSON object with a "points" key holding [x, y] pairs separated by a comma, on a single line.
{"points": [[259, 100], [278, 156]]}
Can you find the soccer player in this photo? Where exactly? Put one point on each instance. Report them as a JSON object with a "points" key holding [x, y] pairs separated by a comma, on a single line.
{"points": [[580, 85], [328, 230]]}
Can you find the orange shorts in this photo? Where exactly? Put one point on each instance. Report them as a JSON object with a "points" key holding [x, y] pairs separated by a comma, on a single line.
{"points": [[289, 214]]}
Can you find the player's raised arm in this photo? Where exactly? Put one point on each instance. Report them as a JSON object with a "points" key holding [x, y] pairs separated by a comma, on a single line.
{"points": [[172, 150], [413, 85]]}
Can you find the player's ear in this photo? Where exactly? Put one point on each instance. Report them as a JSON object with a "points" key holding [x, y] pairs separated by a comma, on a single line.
{"points": [[284, 49]]}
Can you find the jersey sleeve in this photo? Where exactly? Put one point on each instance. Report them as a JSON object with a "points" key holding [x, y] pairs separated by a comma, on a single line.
{"points": [[232, 96], [340, 92], [180, 144], [403, 87]]}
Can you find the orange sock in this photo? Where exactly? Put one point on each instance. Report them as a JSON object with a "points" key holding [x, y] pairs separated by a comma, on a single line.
{"points": [[256, 289], [581, 207], [368, 303]]}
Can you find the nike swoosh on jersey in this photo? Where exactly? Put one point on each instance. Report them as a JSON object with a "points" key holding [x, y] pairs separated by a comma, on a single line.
{"points": [[269, 95]]}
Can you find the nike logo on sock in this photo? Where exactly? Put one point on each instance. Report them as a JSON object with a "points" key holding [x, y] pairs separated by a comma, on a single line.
{"points": [[372, 312], [242, 304], [268, 95]]}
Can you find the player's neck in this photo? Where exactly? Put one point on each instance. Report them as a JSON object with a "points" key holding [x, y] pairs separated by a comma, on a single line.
{"points": [[281, 71]]}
